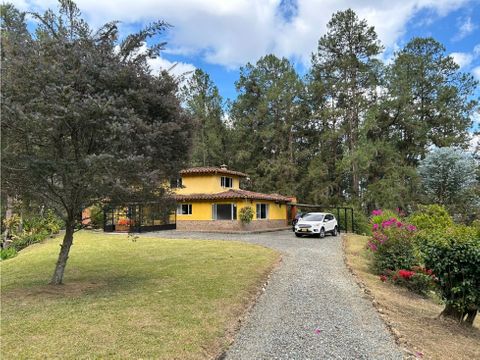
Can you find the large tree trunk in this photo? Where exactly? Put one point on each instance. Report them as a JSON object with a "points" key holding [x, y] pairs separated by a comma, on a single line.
{"points": [[8, 216], [450, 312], [471, 314], [57, 278]]}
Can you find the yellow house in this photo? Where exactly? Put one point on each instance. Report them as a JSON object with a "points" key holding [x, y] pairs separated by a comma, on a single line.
{"points": [[210, 198]]}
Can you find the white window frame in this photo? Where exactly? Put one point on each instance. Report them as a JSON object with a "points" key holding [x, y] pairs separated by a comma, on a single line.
{"points": [[233, 211], [258, 213], [180, 209], [224, 182]]}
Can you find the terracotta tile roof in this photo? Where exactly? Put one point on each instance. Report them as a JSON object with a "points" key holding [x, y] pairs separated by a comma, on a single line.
{"points": [[233, 194], [212, 170]]}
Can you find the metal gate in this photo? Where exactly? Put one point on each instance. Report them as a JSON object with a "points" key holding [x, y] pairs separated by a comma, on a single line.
{"points": [[344, 214]]}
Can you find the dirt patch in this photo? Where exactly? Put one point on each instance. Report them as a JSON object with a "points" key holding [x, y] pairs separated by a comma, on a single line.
{"points": [[412, 319]]}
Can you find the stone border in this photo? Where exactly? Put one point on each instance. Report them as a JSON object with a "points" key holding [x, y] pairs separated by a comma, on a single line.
{"points": [[236, 231], [404, 345], [232, 331]]}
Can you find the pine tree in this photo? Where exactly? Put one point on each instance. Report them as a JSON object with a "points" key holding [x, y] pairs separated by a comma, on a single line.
{"points": [[205, 105], [345, 70], [268, 120], [429, 100]]}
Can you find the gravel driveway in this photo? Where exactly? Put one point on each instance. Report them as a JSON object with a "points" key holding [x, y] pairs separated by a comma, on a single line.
{"points": [[311, 308]]}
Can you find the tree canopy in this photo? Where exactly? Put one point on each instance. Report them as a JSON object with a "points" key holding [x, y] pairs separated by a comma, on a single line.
{"points": [[449, 178], [205, 105], [83, 118]]}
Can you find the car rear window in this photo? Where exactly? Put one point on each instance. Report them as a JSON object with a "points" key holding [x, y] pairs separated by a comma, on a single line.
{"points": [[312, 217]]}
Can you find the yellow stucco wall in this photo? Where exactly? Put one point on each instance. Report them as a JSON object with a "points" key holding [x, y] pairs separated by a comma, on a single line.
{"points": [[276, 211], [200, 211], [203, 210], [205, 184]]}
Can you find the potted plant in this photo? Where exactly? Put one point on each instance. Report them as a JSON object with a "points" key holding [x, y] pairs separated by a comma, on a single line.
{"points": [[123, 224]]}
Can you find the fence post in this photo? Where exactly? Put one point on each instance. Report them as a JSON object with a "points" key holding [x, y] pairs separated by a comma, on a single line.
{"points": [[353, 222], [338, 218], [346, 220]]}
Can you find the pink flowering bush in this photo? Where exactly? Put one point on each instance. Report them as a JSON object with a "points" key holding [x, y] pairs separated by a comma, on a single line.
{"points": [[392, 242]]}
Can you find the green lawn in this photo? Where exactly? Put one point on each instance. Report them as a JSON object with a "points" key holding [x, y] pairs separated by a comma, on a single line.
{"points": [[153, 298]]}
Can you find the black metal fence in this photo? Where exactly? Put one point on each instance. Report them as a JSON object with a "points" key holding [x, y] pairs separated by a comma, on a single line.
{"points": [[344, 214], [138, 218]]}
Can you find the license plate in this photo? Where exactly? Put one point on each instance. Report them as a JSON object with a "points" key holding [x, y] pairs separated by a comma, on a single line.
{"points": [[304, 230]]}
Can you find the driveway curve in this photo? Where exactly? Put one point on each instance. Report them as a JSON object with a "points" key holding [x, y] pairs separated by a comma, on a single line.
{"points": [[311, 308]]}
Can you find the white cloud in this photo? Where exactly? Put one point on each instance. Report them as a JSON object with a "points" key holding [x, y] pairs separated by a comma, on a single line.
{"points": [[476, 50], [158, 64], [176, 69], [465, 29], [476, 119], [462, 59], [476, 72], [231, 33], [467, 60]]}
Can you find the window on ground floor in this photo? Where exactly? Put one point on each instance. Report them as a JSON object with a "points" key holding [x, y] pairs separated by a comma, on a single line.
{"points": [[262, 211], [224, 211], [184, 209]]}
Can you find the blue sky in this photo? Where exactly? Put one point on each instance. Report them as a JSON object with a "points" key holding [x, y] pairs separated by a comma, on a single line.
{"points": [[219, 36]]}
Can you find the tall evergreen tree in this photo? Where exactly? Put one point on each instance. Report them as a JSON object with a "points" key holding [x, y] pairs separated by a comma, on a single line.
{"points": [[204, 103], [268, 120], [429, 100], [346, 72], [83, 119]]}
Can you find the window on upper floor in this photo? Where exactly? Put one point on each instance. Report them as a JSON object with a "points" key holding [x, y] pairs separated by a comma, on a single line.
{"points": [[226, 182], [262, 211], [184, 209], [176, 183]]}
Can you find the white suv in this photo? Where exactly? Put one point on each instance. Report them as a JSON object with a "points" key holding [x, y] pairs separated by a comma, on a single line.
{"points": [[316, 223]]}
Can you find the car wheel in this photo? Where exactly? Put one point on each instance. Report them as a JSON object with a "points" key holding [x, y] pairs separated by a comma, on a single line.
{"points": [[321, 234], [334, 231], [298, 235]]}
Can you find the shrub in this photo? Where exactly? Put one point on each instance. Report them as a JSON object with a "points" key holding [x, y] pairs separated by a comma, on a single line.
{"points": [[379, 216], [8, 253], [246, 214], [26, 239], [418, 280], [392, 243], [13, 223], [476, 225], [34, 229], [360, 220], [96, 216], [430, 217], [454, 256]]}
